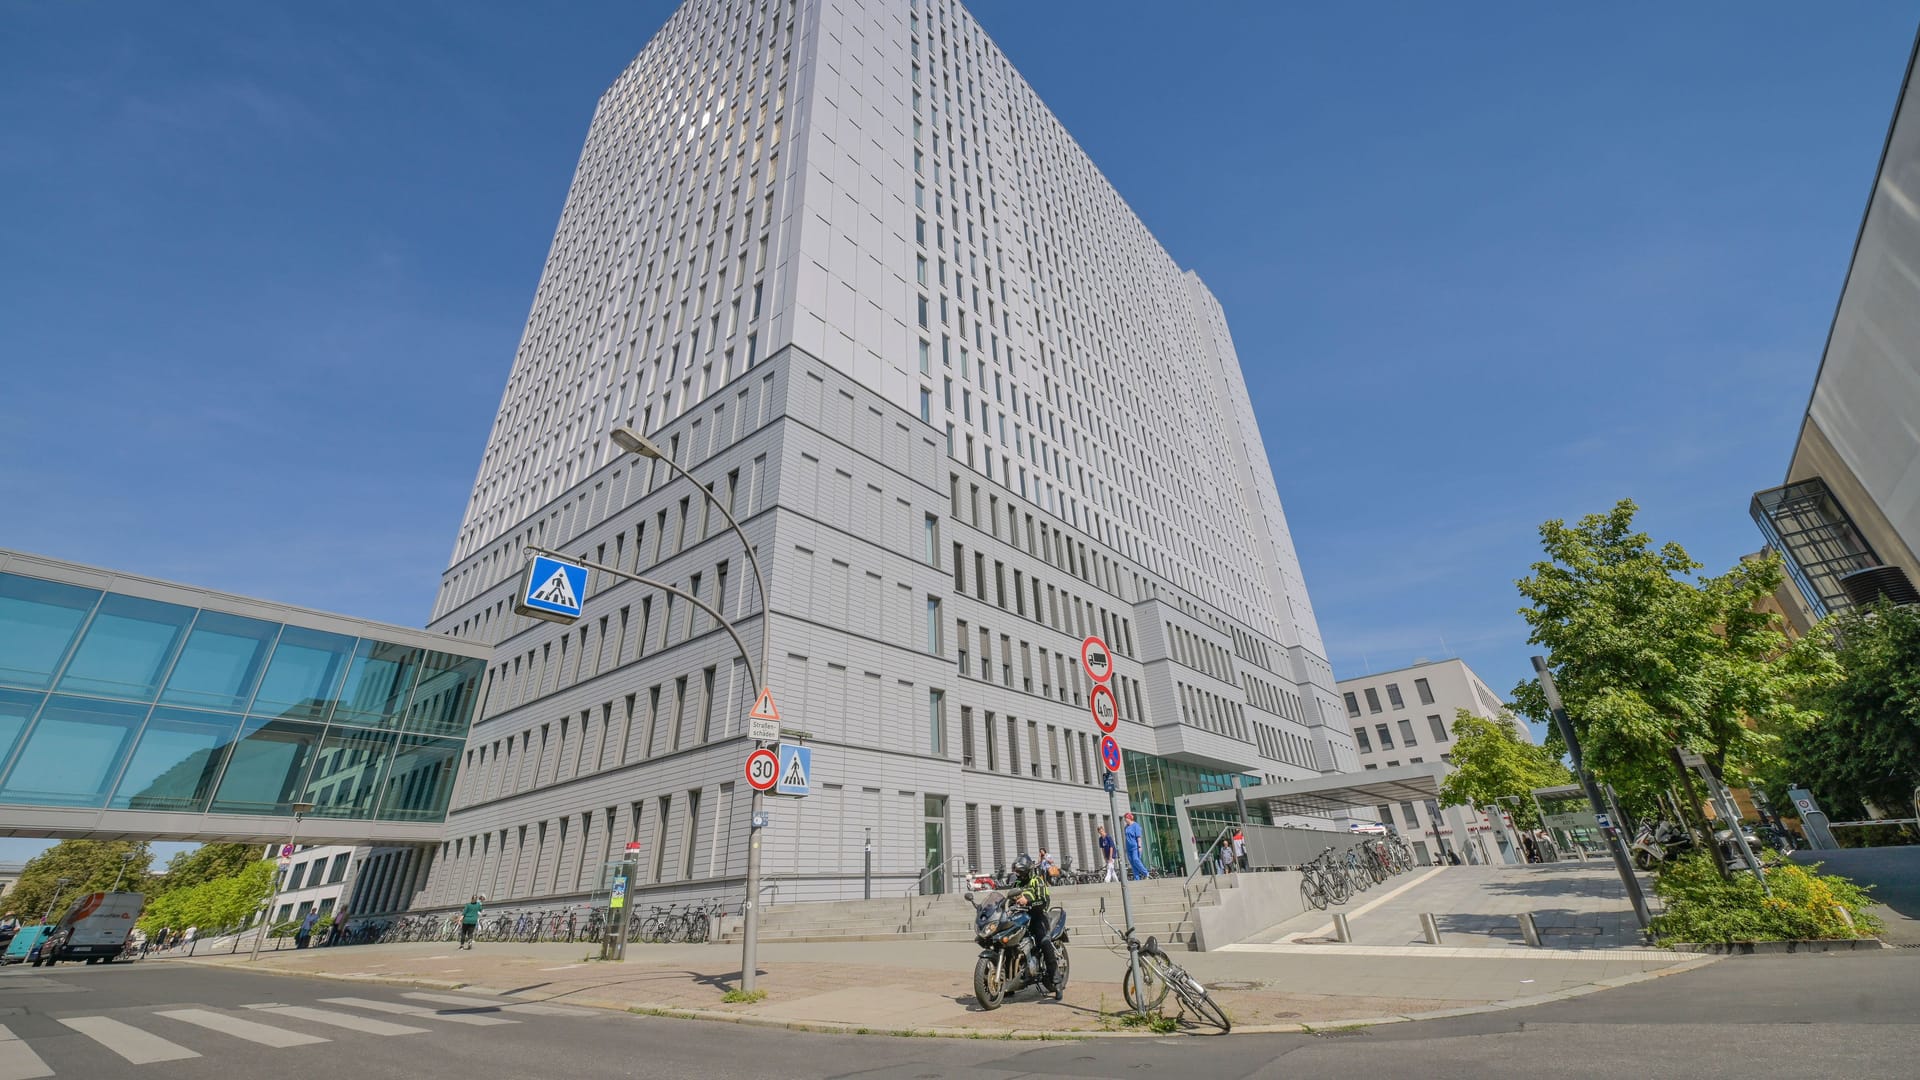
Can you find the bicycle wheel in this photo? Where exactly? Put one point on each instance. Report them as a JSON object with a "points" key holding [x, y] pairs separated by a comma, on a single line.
{"points": [[1194, 998], [1312, 893], [1152, 980], [1337, 889]]}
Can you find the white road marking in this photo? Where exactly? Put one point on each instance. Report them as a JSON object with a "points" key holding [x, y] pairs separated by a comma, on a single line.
{"points": [[264, 1034], [503, 1004], [415, 1010], [138, 1047], [17, 1059], [349, 1021]]}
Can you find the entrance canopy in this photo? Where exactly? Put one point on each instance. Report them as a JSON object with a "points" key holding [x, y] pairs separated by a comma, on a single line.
{"points": [[1330, 794]]}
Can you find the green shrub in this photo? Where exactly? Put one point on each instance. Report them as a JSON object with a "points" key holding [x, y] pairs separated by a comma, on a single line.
{"points": [[1805, 906]]}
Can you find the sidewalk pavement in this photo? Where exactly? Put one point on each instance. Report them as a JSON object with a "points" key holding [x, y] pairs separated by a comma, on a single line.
{"points": [[1575, 906], [925, 987]]}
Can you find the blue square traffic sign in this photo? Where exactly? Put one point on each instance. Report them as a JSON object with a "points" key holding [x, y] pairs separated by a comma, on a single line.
{"points": [[553, 590], [796, 770]]}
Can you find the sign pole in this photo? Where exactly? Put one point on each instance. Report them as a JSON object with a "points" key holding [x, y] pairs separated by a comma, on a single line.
{"points": [[1126, 898], [1616, 845]]}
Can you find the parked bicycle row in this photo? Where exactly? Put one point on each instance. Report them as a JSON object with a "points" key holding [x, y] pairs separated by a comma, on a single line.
{"points": [[692, 922], [1330, 879]]}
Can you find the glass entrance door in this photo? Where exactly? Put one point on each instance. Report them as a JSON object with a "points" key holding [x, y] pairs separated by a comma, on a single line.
{"points": [[935, 814]]}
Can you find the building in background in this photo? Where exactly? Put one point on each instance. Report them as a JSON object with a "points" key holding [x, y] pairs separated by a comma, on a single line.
{"points": [[1848, 517], [1405, 717], [841, 263], [10, 876]]}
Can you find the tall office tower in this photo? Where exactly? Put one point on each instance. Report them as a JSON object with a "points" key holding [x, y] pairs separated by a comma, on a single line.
{"points": [[839, 262]]}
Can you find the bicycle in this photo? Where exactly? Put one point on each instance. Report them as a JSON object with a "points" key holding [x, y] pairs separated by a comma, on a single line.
{"points": [[1157, 975]]}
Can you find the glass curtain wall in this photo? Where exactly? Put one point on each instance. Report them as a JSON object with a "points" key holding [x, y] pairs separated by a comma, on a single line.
{"points": [[116, 701], [1154, 787]]}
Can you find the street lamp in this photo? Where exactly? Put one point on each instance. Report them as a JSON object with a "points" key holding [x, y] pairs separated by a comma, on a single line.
{"points": [[59, 886], [125, 858], [300, 810], [626, 438]]}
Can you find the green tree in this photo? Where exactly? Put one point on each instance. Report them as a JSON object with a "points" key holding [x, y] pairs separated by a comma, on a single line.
{"points": [[88, 866], [1650, 657], [1866, 746], [1492, 758], [212, 904], [206, 862]]}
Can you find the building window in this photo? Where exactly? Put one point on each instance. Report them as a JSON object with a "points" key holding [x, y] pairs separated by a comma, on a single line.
{"points": [[1353, 704], [933, 626], [933, 540], [1386, 737], [1393, 696], [926, 405], [937, 722], [1426, 692], [339, 872], [1439, 728], [1360, 737], [1406, 733], [1373, 700]]}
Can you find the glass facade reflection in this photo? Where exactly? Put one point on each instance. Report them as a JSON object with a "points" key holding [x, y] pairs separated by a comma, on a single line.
{"points": [[1154, 786], [127, 702]]}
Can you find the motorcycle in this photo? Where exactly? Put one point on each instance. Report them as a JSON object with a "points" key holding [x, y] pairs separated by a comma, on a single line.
{"points": [[1658, 842], [1010, 959]]}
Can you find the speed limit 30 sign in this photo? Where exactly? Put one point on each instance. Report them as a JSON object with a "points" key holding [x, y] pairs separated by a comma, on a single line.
{"points": [[763, 770]]}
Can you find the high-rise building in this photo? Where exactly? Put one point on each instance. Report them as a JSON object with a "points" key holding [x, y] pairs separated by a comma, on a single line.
{"points": [[1405, 717], [1847, 519], [841, 263]]}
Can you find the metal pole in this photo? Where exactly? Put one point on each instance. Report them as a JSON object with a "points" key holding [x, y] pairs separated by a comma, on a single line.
{"points": [[868, 877], [59, 886], [1615, 844], [125, 858], [756, 806], [1126, 900], [266, 918]]}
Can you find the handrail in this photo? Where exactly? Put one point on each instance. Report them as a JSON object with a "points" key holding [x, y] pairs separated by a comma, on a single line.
{"points": [[1211, 848], [932, 870]]}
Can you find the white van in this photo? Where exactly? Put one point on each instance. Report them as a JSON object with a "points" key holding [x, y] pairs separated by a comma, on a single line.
{"points": [[98, 924]]}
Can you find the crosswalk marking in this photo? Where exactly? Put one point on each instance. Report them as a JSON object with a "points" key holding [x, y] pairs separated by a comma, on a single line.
{"points": [[502, 1005], [366, 1025], [264, 1034], [17, 1059], [138, 1047], [415, 1010]]}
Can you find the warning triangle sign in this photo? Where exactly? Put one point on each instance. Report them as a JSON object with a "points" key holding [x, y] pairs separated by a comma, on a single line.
{"points": [[765, 709], [558, 590]]}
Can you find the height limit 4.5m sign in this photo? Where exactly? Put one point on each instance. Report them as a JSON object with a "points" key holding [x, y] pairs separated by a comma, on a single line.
{"points": [[1097, 659], [1106, 711]]}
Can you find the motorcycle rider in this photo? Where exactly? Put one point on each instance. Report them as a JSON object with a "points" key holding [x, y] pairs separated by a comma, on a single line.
{"points": [[1034, 897]]}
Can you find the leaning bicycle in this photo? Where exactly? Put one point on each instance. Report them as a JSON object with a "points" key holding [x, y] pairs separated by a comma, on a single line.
{"points": [[1159, 975]]}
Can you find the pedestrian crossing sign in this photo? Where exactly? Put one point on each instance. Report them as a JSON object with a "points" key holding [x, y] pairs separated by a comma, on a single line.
{"points": [[796, 770], [552, 590]]}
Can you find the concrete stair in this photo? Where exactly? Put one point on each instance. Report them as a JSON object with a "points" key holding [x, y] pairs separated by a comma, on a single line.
{"points": [[1160, 908]]}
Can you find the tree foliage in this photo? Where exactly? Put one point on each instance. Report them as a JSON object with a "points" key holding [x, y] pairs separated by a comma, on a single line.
{"points": [[207, 862], [88, 866], [1649, 656], [1866, 746], [1703, 905], [1492, 758], [214, 903]]}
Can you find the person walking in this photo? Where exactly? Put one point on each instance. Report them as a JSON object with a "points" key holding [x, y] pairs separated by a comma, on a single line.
{"points": [[470, 921], [303, 937], [1240, 848], [1107, 854], [1136, 853], [338, 932]]}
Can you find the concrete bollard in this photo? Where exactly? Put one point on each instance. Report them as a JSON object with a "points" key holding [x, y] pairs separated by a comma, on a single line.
{"points": [[1341, 932], [1430, 928], [1528, 930]]}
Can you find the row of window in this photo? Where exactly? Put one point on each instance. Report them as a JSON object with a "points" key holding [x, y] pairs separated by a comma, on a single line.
{"points": [[1073, 835], [1000, 738], [1385, 734], [1393, 696]]}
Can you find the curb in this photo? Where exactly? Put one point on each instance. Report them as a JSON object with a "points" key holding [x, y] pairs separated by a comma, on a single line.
{"points": [[1781, 948], [833, 1027]]}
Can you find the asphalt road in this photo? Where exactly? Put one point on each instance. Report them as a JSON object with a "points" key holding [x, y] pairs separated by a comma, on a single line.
{"points": [[1828, 1016]]}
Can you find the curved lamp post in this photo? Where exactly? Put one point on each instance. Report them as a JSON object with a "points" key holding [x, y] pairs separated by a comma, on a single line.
{"points": [[300, 810], [635, 443]]}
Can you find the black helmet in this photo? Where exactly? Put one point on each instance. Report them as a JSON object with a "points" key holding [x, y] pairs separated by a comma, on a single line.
{"points": [[1022, 869]]}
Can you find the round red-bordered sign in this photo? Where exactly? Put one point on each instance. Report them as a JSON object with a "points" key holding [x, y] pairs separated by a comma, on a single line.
{"points": [[1108, 717], [1110, 753], [1096, 659], [763, 770]]}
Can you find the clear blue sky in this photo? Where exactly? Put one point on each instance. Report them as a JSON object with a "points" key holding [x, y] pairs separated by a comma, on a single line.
{"points": [[264, 267]]}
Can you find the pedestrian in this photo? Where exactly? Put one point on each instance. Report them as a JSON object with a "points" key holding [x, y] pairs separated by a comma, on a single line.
{"points": [[1532, 848], [187, 938], [1045, 865], [1107, 854], [1136, 854], [303, 937], [470, 921], [1240, 848], [339, 930]]}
